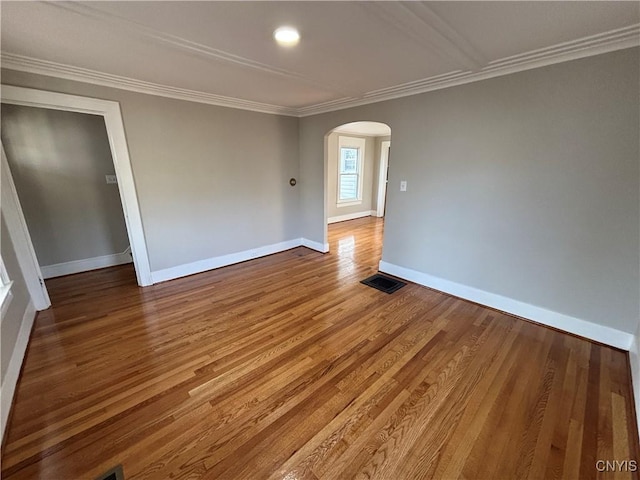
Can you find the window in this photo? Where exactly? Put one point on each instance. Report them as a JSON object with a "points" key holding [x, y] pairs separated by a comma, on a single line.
{"points": [[5, 289], [349, 174], [350, 154]]}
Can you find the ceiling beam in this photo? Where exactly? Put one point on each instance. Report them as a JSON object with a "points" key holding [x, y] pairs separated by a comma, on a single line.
{"points": [[421, 24], [37, 66], [194, 48]]}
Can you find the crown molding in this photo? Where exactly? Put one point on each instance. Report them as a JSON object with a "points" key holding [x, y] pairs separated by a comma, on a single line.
{"points": [[619, 39], [68, 72], [420, 23], [188, 46]]}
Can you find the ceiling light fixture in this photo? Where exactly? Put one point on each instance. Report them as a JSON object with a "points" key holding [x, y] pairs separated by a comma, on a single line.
{"points": [[286, 36]]}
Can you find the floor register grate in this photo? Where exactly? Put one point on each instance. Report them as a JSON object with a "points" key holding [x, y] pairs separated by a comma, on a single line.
{"points": [[115, 473], [383, 283]]}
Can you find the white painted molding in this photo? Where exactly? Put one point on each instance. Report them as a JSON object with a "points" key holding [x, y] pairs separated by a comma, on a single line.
{"points": [[87, 264], [344, 204], [68, 72], [110, 111], [19, 235], [5, 299], [189, 46], [8, 388], [360, 134], [576, 326], [317, 246], [420, 23], [232, 258], [383, 168], [222, 261], [619, 39], [351, 216]]}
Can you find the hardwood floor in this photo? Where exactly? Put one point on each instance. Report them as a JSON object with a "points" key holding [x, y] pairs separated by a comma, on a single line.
{"points": [[286, 367]]}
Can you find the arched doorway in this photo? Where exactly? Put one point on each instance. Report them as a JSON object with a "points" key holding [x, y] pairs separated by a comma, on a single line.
{"points": [[356, 161]]}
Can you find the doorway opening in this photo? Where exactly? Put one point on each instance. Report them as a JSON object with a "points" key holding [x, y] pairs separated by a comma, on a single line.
{"points": [[357, 164], [68, 188]]}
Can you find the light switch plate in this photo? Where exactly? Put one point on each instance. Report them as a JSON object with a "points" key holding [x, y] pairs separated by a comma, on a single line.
{"points": [[403, 186], [111, 178]]}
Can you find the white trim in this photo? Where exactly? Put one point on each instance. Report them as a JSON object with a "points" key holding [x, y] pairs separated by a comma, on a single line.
{"points": [[4, 276], [317, 246], [361, 134], [5, 299], [192, 48], [117, 141], [348, 203], [222, 261], [22, 63], [618, 39], [20, 239], [232, 258], [613, 40], [351, 216], [600, 333], [8, 388], [5, 290], [358, 143], [382, 177], [87, 264], [420, 23]]}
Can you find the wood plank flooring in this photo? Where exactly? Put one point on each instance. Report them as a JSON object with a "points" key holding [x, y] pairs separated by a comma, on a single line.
{"points": [[286, 367]]}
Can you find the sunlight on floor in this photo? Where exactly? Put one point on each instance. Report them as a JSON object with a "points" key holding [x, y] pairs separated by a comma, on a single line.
{"points": [[346, 246]]}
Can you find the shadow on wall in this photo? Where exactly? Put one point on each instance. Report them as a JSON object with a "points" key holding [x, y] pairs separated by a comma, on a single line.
{"points": [[59, 161]]}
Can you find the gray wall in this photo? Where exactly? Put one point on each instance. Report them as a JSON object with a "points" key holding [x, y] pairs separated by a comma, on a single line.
{"points": [[59, 161], [12, 320], [525, 185], [332, 176], [210, 180], [376, 169]]}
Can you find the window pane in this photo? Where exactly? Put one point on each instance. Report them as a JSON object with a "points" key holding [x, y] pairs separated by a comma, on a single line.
{"points": [[4, 278], [348, 160], [348, 187]]}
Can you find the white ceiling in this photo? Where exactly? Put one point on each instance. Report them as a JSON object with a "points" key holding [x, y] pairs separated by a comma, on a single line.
{"points": [[350, 53], [374, 129]]}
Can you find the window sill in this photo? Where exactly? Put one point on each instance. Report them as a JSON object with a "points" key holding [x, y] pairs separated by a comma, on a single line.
{"points": [[5, 298], [349, 204]]}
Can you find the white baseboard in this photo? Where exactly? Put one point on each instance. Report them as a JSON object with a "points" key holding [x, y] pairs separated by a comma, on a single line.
{"points": [[352, 216], [317, 246], [222, 261], [8, 388], [87, 264], [225, 260], [576, 326]]}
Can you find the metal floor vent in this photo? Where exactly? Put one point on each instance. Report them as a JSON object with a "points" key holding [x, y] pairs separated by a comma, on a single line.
{"points": [[113, 474], [383, 283]]}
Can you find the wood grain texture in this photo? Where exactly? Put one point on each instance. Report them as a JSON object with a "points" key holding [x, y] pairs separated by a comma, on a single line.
{"points": [[286, 367]]}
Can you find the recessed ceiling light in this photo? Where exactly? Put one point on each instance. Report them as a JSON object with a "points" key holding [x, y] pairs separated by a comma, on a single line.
{"points": [[286, 36]]}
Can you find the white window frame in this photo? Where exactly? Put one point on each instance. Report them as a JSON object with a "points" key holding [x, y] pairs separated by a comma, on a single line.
{"points": [[5, 290], [351, 142]]}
